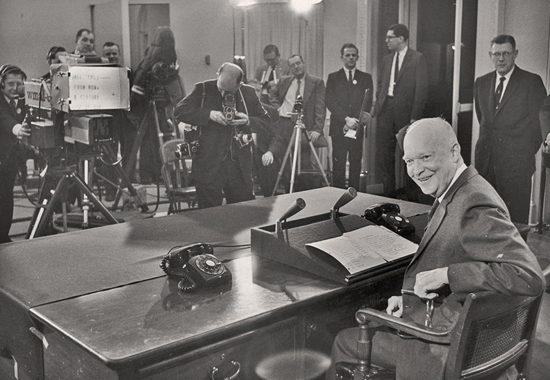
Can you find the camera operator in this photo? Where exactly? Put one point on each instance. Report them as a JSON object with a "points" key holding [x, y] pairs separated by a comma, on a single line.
{"points": [[226, 113], [12, 128], [53, 57]]}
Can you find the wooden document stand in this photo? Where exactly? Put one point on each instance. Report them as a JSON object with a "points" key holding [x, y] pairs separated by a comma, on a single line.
{"points": [[288, 246]]}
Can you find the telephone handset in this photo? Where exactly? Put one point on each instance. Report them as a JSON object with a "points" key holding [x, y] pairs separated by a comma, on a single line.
{"points": [[196, 265], [388, 215]]}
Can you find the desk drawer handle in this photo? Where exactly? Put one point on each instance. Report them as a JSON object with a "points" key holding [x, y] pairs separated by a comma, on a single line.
{"points": [[232, 377]]}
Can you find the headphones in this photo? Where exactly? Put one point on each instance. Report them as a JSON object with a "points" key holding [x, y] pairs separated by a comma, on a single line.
{"points": [[10, 69], [53, 51]]}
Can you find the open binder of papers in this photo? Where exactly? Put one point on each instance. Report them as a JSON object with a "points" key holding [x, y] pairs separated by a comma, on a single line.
{"points": [[345, 250], [366, 247]]}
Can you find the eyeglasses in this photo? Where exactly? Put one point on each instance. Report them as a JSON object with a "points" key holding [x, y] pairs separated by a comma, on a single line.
{"points": [[390, 37], [504, 54]]}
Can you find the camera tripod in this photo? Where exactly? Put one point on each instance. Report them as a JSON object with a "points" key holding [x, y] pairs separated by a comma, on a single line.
{"points": [[68, 176], [296, 140], [151, 111]]}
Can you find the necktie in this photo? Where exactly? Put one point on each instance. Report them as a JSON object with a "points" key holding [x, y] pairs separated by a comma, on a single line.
{"points": [[350, 78], [432, 210], [298, 88], [396, 71], [271, 75], [498, 92], [13, 106]]}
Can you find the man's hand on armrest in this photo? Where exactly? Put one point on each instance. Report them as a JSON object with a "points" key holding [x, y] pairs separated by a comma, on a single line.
{"points": [[429, 281]]}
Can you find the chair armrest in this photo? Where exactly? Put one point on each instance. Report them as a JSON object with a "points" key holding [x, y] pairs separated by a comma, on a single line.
{"points": [[363, 316]]}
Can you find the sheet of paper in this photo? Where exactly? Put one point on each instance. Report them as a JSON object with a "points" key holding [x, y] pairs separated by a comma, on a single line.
{"points": [[384, 242], [366, 247]]}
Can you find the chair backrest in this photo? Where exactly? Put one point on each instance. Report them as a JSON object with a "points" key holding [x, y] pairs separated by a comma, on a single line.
{"points": [[493, 332], [174, 169]]}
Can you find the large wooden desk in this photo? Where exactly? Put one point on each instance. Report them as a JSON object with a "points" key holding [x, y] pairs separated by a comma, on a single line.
{"points": [[106, 310]]}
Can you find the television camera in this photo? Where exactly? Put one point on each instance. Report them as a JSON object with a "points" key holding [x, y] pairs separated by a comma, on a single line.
{"points": [[71, 119]]}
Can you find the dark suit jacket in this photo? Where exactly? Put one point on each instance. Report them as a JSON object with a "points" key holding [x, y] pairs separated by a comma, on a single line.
{"points": [[410, 91], [509, 138], [8, 119], [216, 141], [281, 70], [313, 103], [544, 117], [344, 99]]}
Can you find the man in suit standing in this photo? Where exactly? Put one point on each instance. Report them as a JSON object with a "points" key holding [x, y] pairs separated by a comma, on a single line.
{"points": [[344, 97], [271, 71], [507, 103], [454, 257], [312, 90], [12, 128], [400, 98]]}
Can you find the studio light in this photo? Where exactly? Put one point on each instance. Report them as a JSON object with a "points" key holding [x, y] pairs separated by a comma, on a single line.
{"points": [[303, 6]]}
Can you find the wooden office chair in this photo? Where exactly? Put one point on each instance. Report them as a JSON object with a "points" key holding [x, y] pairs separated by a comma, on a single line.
{"points": [[177, 177], [493, 332]]}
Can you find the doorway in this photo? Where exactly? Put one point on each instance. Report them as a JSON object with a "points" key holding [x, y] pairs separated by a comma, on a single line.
{"points": [[436, 39], [144, 20]]}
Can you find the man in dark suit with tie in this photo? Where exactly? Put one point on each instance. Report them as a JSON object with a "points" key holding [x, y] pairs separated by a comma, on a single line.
{"points": [[507, 103], [344, 97], [312, 90], [12, 128], [400, 98], [271, 71]]}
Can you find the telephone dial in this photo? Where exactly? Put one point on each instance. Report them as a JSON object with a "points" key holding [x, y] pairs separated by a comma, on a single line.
{"points": [[196, 266], [388, 215]]}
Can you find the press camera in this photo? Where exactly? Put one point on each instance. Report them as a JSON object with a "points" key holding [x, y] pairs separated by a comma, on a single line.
{"points": [[187, 149]]}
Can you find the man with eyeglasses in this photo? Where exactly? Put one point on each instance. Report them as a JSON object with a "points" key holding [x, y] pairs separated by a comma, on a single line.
{"points": [[344, 97], [507, 103], [271, 71], [400, 99]]}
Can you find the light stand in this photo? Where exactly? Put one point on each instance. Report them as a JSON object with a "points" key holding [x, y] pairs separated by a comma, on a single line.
{"points": [[299, 129]]}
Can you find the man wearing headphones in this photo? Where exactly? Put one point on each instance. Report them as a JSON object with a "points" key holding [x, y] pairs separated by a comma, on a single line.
{"points": [[12, 129], [53, 57]]}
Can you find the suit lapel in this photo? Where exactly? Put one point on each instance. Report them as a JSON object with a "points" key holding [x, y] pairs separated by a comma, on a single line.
{"points": [[308, 88], [440, 213], [510, 88], [406, 62]]}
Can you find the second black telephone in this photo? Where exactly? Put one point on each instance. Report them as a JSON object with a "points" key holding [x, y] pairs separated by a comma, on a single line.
{"points": [[196, 265], [388, 215]]}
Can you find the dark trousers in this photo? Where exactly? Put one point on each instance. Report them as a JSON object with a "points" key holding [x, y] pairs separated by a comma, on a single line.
{"points": [[8, 171], [267, 175], [385, 147], [514, 191], [342, 147], [229, 182]]}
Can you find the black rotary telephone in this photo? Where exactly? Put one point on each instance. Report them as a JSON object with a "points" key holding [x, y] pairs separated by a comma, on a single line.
{"points": [[388, 215], [196, 265]]}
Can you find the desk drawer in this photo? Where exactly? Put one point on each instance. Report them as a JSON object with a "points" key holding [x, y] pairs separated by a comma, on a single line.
{"points": [[241, 353]]}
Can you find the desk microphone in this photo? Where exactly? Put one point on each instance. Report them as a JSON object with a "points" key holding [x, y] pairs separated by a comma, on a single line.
{"points": [[344, 199], [294, 208]]}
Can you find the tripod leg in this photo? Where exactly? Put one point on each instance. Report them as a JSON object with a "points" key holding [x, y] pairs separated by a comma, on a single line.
{"points": [[283, 164], [317, 158], [133, 154], [296, 158], [124, 178], [90, 194], [62, 186]]}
